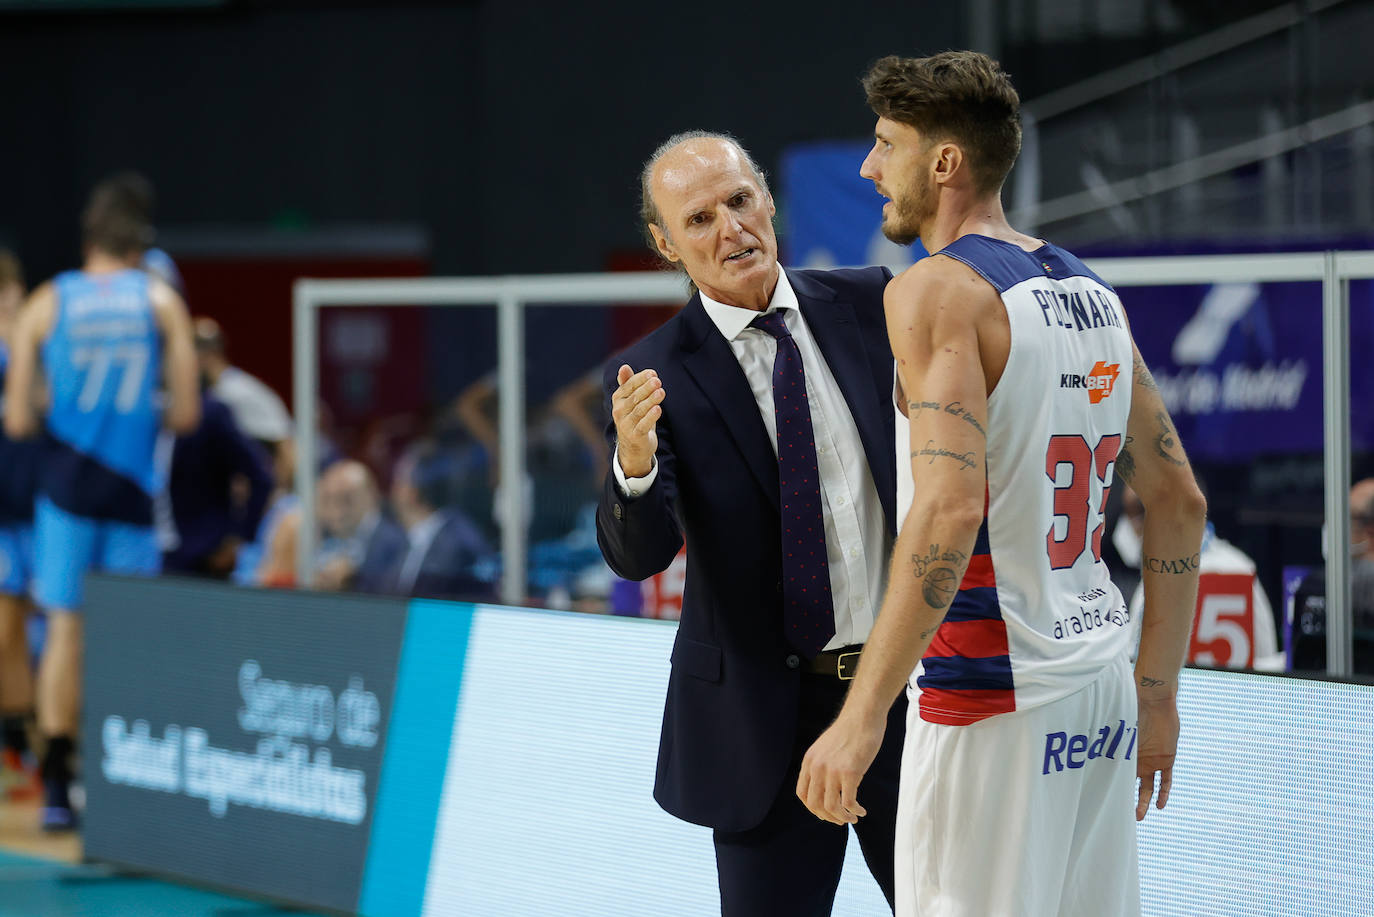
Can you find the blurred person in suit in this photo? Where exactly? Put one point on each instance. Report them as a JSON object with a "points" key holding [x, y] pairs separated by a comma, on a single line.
{"points": [[361, 545], [103, 341], [755, 427], [1219, 563], [218, 486], [258, 411], [445, 554], [1309, 602]]}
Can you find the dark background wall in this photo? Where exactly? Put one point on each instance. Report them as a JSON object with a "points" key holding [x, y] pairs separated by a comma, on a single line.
{"points": [[244, 115], [513, 132]]}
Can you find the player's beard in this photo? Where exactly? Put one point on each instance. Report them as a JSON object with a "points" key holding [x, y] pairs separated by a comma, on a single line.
{"points": [[909, 211]]}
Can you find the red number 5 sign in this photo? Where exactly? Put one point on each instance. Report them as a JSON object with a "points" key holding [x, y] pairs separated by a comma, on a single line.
{"points": [[1224, 626]]}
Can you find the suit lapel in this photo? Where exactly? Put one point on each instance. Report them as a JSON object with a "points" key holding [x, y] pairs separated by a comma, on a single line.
{"points": [[711, 363], [840, 338]]}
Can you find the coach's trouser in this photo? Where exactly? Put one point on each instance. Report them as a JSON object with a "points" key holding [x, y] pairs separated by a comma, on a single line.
{"points": [[1027, 814]]}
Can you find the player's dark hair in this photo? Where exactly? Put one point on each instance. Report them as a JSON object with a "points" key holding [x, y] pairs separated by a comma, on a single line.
{"points": [[959, 96], [118, 217], [11, 271]]}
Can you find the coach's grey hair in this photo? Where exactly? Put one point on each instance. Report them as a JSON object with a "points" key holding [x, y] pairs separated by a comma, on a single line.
{"points": [[648, 210]]}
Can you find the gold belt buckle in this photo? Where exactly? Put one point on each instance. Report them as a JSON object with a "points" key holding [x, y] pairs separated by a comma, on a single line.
{"points": [[841, 668]]}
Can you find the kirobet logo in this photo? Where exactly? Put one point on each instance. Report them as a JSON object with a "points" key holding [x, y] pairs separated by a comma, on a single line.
{"points": [[1100, 381]]}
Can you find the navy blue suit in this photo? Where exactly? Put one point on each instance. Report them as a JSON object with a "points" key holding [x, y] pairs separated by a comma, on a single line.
{"points": [[449, 566], [386, 547], [739, 714], [204, 465]]}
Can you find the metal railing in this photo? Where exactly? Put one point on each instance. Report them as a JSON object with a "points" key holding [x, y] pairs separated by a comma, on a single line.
{"points": [[511, 295], [1303, 131]]}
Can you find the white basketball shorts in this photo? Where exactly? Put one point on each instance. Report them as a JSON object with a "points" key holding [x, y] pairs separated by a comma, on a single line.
{"points": [[1025, 814]]}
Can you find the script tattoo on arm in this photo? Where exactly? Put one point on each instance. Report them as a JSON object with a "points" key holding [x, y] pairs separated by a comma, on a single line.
{"points": [[914, 408], [954, 408], [1125, 461], [924, 562], [966, 460], [1147, 682], [958, 410], [1174, 567], [1166, 440]]}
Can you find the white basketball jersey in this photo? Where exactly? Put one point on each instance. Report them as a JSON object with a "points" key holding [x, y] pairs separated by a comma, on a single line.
{"points": [[1036, 616]]}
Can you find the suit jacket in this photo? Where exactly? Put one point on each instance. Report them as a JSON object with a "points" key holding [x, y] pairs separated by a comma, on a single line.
{"points": [[386, 547], [449, 568], [204, 465], [730, 717]]}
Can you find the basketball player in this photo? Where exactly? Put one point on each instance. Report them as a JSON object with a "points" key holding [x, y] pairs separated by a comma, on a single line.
{"points": [[1025, 398], [20, 462], [104, 338]]}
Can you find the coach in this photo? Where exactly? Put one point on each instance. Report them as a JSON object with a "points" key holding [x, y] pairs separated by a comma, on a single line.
{"points": [[756, 425]]}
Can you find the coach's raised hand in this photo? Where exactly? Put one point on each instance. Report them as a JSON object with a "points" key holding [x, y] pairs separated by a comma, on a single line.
{"points": [[635, 409]]}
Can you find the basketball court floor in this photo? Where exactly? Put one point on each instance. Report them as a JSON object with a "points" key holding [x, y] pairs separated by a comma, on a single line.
{"points": [[42, 876]]}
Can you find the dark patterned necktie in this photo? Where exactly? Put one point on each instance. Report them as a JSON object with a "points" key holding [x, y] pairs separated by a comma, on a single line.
{"points": [[808, 615]]}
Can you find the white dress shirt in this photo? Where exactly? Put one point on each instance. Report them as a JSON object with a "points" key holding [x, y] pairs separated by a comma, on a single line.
{"points": [[420, 536], [855, 535], [258, 411]]}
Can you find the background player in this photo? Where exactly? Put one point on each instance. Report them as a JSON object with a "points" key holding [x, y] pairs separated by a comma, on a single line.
{"points": [[19, 462], [1016, 774], [102, 338]]}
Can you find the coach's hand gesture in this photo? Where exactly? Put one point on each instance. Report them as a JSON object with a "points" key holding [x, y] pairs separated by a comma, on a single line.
{"points": [[635, 409]]}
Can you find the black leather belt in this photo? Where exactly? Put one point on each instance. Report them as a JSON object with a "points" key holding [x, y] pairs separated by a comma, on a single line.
{"points": [[842, 663]]}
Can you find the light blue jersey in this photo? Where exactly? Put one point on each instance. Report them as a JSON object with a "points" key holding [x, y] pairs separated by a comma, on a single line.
{"points": [[103, 360]]}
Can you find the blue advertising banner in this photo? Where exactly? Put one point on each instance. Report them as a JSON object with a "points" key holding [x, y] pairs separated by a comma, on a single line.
{"points": [[1240, 364], [832, 215], [438, 759]]}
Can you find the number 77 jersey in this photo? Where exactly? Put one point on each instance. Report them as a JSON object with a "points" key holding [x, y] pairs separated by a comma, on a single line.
{"points": [[1037, 616], [103, 360]]}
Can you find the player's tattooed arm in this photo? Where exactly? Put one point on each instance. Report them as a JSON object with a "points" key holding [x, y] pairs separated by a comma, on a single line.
{"points": [[1176, 567], [1125, 461], [1166, 441], [1142, 375], [939, 587]]}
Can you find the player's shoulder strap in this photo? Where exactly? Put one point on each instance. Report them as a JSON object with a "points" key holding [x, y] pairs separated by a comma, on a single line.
{"points": [[1005, 265]]}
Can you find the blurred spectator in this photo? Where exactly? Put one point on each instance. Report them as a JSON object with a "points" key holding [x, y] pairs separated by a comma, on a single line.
{"points": [[446, 555], [565, 456], [570, 422], [257, 410], [277, 568], [270, 560], [361, 548], [1233, 611], [219, 487], [1309, 603], [282, 503]]}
